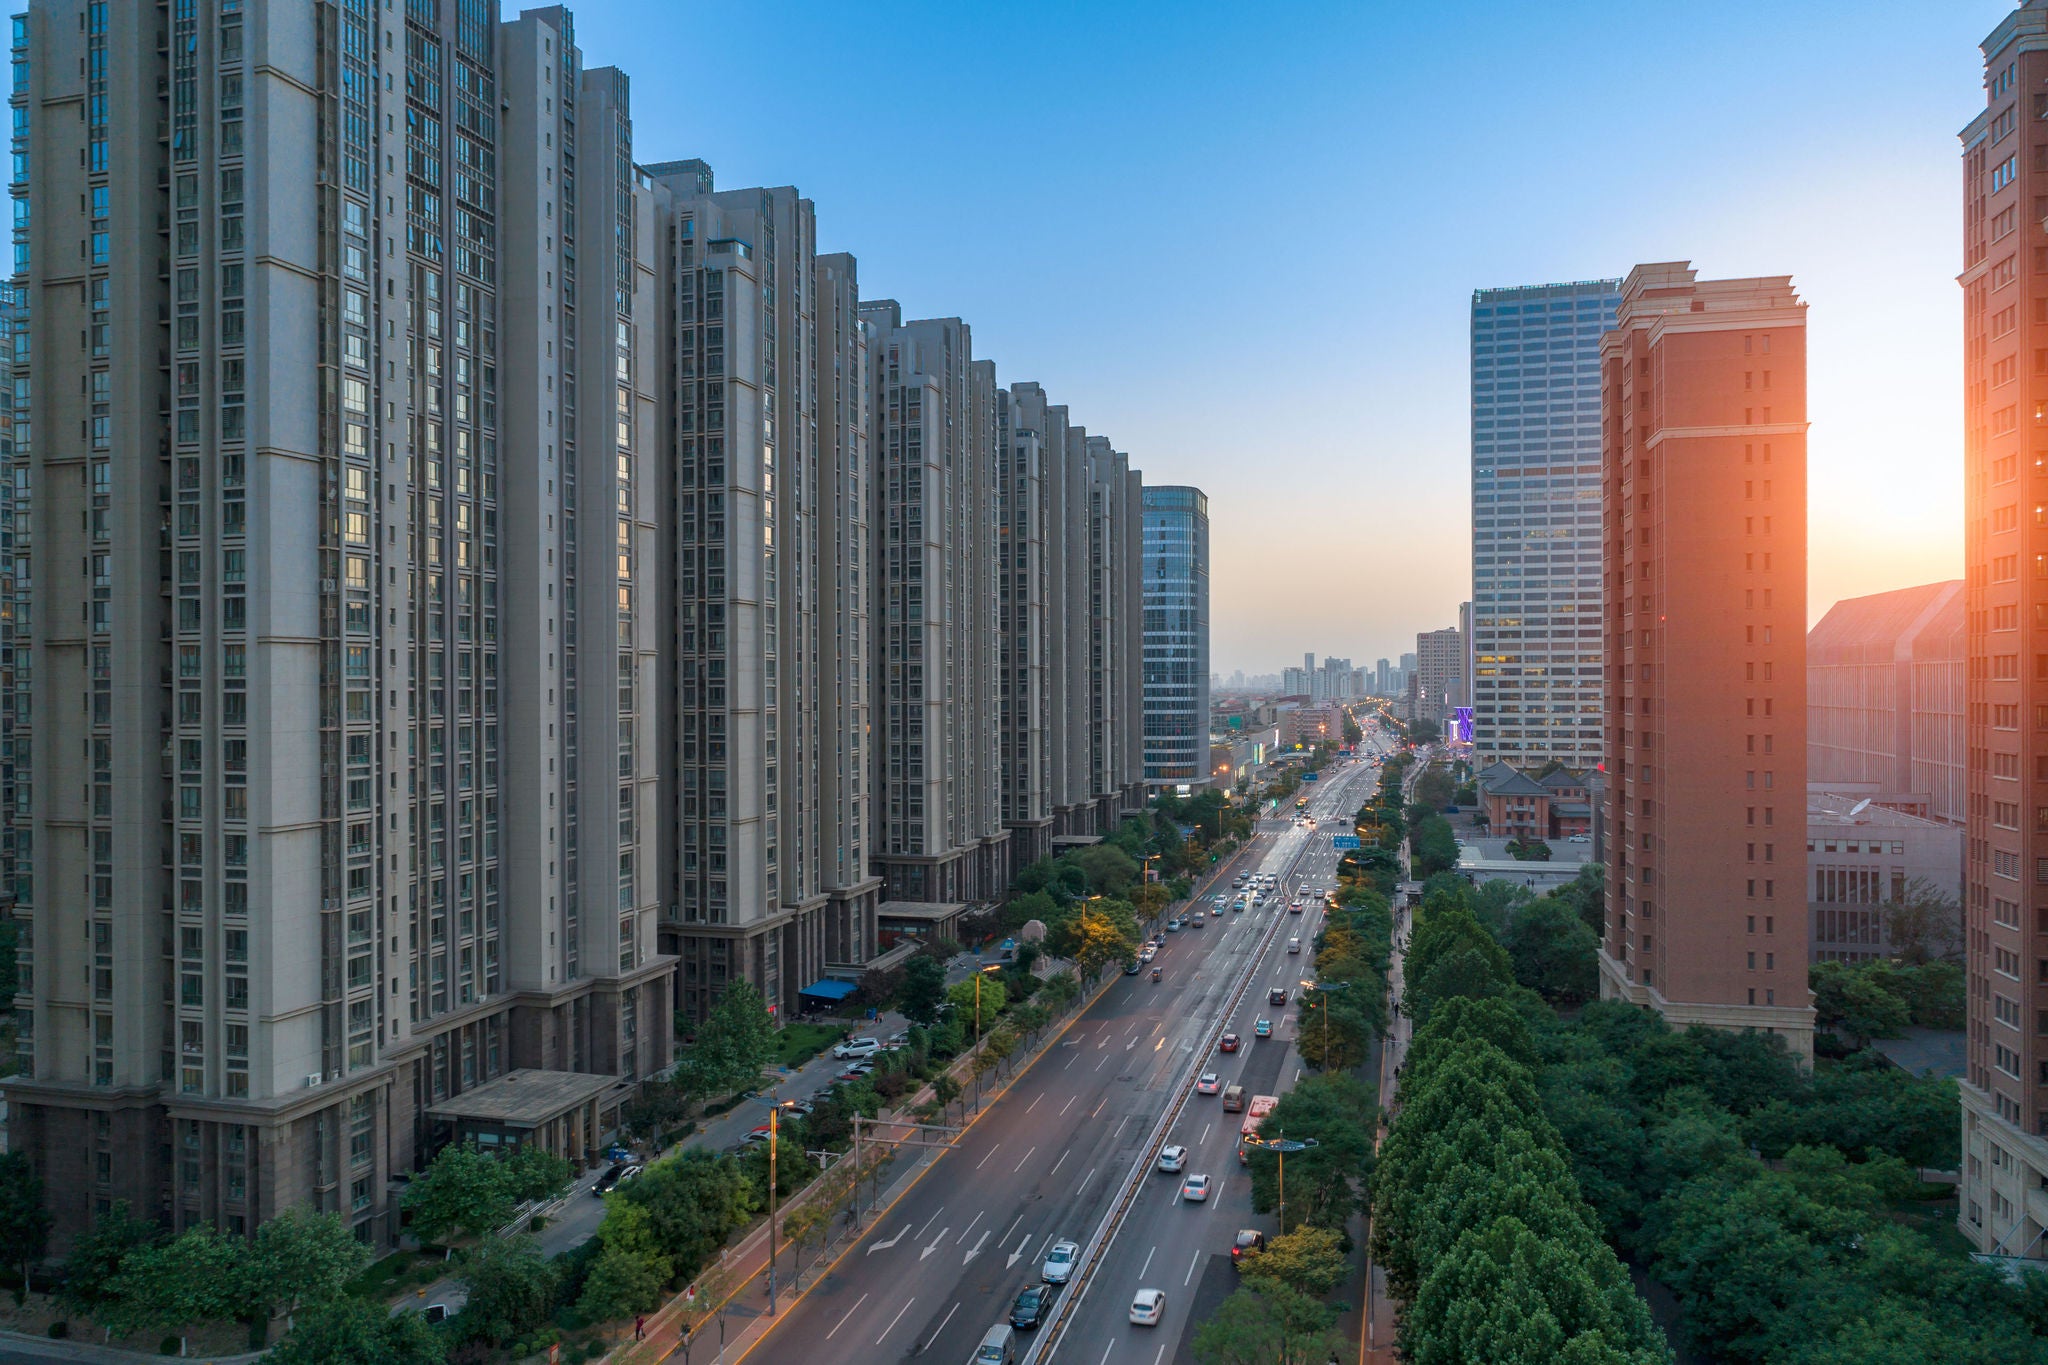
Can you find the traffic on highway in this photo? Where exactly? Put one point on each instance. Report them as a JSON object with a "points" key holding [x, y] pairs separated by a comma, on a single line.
{"points": [[1059, 1221]]}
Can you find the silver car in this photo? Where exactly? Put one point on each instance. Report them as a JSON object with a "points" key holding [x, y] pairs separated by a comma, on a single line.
{"points": [[1059, 1262]]}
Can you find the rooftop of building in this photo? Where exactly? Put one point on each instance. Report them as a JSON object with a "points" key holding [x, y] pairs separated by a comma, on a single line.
{"points": [[525, 1098], [1503, 779], [1888, 626], [1849, 810], [924, 910]]}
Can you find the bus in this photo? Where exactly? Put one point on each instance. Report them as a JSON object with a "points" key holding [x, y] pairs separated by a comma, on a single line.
{"points": [[1261, 1106]]}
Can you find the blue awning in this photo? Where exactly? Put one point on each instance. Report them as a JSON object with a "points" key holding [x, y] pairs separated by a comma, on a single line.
{"points": [[829, 989]]}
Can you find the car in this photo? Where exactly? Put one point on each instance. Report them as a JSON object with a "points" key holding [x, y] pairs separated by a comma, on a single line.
{"points": [[436, 1312], [855, 1071], [1172, 1157], [1208, 1083], [1147, 953], [1032, 1305], [1228, 1044], [1579, 839], [1263, 1027], [1216, 910], [1294, 944], [1195, 1189], [1131, 968], [1147, 1307], [619, 1173], [1173, 925], [1195, 921], [801, 1109], [1250, 1242], [1238, 905], [759, 1135], [1059, 1262], [898, 1039], [1277, 996], [857, 1047], [1295, 908]]}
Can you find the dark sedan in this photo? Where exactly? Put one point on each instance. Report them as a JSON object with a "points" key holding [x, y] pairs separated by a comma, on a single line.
{"points": [[1032, 1306]]}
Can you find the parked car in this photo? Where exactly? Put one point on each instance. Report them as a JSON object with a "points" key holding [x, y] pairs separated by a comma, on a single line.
{"points": [[1059, 1262], [1195, 1189], [1173, 1158], [1229, 1043], [1208, 1083], [1250, 1242], [1173, 925], [1147, 1307], [856, 1047], [618, 1174], [898, 1039]]}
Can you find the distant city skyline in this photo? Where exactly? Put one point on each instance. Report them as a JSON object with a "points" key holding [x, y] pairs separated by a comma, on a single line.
{"points": [[1361, 437]]}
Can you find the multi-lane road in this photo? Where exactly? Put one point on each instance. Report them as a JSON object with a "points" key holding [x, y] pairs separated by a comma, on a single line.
{"points": [[1055, 1154]]}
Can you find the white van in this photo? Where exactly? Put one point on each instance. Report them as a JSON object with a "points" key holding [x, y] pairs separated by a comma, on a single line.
{"points": [[999, 1347], [1293, 945]]}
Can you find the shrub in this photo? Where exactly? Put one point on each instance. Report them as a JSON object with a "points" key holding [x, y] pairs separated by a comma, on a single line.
{"points": [[60, 1329]]}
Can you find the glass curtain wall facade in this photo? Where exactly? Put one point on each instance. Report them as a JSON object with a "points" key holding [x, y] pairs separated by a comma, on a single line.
{"points": [[1176, 626], [1536, 521]]}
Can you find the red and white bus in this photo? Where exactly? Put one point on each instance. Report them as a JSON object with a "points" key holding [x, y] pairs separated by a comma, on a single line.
{"points": [[1255, 1115]]}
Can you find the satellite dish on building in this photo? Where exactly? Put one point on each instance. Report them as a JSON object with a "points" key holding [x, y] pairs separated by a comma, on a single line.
{"points": [[1859, 808]]}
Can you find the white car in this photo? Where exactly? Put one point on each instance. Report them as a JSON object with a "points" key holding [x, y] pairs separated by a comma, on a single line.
{"points": [[1208, 1083], [1148, 1307], [857, 1047], [1195, 1189], [1059, 1262], [1173, 1158]]}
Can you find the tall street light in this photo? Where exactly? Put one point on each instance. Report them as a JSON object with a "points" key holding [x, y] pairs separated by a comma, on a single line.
{"points": [[1280, 1147], [774, 1113], [1326, 988]]}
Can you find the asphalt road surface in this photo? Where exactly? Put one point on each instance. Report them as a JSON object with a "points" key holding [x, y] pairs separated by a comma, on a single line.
{"points": [[1050, 1158]]}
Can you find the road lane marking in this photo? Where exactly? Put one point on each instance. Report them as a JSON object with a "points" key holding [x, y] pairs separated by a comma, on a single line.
{"points": [[1105, 1057], [898, 1318], [1020, 1163], [1105, 1353], [1148, 1262], [970, 1227], [1036, 1098], [1162, 1354], [1013, 1227], [933, 1219], [1190, 1277], [942, 1324], [1061, 1162], [1120, 1127], [884, 1246], [1068, 1105], [984, 1160], [849, 1313], [1071, 1060], [1018, 1254], [1084, 1180], [1205, 1130], [977, 1250], [1099, 1108]]}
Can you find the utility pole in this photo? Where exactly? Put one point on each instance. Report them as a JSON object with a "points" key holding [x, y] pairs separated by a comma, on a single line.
{"points": [[772, 1205]]}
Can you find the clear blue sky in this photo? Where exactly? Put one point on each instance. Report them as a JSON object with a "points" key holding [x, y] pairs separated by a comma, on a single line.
{"points": [[1241, 239]]}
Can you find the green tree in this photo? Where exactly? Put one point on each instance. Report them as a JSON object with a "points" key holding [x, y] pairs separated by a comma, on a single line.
{"points": [[300, 1258], [350, 1331], [1434, 788], [923, 990], [1267, 1324], [24, 1222], [987, 996], [1857, 1003], [533, 1174], [97, 1256], [1309, 1260], [1109, 870], [630, 1270], [1335, 1034], [171, 1287], [1924, 924], [461, 1193], [1434, 846], [732, 1045], [1324, 1182], [694, 1200], [657, 1107], [1553, 952], [512, 1290]]}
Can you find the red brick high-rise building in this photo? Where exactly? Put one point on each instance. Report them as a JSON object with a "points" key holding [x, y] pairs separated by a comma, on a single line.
{"points": [[2002, 1204], [1703, 476]]}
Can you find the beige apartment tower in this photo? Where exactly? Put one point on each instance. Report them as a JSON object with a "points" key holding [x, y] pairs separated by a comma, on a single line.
{"points": [[302, 851]]}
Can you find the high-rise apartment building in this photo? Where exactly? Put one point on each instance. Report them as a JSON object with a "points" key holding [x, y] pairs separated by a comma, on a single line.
{"points": [[1025, 743], [938, 810], [1295, 682], [1704, 508], [1176, 626], [766, 547], [2005, 549], [1885, 695], [1116, 691], [302, 831], [1439, 672], [1535, 636]]}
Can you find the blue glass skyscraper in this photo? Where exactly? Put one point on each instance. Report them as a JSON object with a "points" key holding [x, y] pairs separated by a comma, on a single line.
{"points": [[1536, 521], [1176, 568]]}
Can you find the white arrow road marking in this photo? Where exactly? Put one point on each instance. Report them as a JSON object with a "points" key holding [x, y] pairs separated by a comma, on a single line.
{"points": [[934, 1246], [1018, 1254], [884, 1246], [977, 1249], [849, 1313]]}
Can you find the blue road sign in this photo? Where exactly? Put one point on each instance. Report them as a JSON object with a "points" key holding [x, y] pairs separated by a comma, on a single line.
{"points": [[1343, 841]]}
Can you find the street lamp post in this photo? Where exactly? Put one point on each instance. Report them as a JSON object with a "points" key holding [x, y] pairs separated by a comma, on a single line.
{"points": [[1326, 989], [1280, 1147], [774, 1203]]}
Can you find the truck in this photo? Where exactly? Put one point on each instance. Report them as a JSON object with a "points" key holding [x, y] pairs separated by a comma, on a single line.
{"points": [[1254, 1115]]}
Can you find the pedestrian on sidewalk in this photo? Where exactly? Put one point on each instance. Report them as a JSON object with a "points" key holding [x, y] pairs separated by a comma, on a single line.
{"points": [[640, 1327]]}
